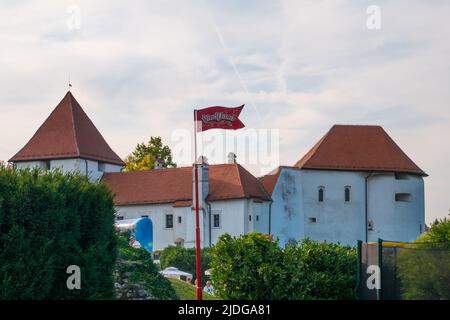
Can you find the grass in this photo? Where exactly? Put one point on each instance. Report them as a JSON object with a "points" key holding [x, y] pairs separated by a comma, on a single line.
{"points": [[187, 291]]}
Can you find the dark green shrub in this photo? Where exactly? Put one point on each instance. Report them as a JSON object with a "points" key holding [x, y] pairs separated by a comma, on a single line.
{"points": [[248, 267], [185, 260], [316, 270], [140, 264], [255, 267], [424, 266], [49, 221]]}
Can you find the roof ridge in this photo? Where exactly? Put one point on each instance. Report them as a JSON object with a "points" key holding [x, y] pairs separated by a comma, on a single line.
{"points": [[73, 121]]}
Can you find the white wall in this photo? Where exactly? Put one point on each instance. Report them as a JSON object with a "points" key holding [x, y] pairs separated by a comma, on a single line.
{"points": [[163, 237], [296, 201], [392, 220], [336, 220], [90, 167], [287, 207], [233, 219]]}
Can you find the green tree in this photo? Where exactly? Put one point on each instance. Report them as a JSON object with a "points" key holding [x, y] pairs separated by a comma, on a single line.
{"points": [[249, 267], [144, 156], [424, 266], [48, 222]]}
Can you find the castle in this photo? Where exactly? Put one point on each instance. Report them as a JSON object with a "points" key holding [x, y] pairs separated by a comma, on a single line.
{"points": [[354, 184]]}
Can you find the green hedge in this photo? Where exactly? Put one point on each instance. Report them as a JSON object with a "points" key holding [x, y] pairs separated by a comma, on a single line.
{"points": [[184, 259], [49, 221], [253, 266]]}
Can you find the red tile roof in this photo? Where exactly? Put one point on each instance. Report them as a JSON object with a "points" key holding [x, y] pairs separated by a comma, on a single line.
{"points": [[226, 181], [269, 181], [67, 133], [358, 148]]}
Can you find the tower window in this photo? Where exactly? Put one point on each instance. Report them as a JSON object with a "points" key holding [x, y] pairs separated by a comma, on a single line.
{"points": [[216, 220], [169, 221], [321, 194], [347, 193], [179, 219], [403, 197], [312, 220]]}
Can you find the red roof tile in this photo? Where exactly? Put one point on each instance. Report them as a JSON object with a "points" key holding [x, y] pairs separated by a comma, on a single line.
{"points": [[67, 133], [174, 185], [269, 181], [358, 148]]}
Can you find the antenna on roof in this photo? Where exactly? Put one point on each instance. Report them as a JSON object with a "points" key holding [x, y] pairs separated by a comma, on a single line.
{"points": [[70, 85]]}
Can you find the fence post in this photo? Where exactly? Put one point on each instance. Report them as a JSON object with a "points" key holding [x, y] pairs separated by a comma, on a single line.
{"points": [[380, 266], [358, 269]]}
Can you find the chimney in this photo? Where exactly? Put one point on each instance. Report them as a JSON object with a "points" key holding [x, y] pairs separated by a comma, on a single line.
{"points": [[203, 181], [158, 164], [231, 158]]}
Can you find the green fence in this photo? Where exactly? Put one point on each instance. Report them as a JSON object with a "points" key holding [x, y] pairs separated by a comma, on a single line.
{"points": [[389, 270]]}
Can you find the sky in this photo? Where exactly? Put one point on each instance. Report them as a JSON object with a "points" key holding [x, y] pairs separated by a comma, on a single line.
{"points": [[139, 68]]}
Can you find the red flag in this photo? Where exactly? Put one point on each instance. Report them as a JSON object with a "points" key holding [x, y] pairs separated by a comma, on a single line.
{"points": [[218, 118]]}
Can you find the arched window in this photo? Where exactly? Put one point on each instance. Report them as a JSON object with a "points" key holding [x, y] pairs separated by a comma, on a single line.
{"points": [[321, 194], [348, 193]]}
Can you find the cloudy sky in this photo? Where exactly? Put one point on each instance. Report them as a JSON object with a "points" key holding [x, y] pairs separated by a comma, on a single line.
{"points": [[140, 67]]}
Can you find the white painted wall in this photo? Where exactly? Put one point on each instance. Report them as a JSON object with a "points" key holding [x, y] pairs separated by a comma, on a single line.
{"points": [[233, 219], [296, 201], [92, 168], [287, 217]]}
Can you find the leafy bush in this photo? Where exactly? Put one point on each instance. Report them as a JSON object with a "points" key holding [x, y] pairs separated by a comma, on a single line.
{"points": [[253, 266], [185, 259], [49, 221], [317, 270], [423, 267], [139, 264], [248, 267]]}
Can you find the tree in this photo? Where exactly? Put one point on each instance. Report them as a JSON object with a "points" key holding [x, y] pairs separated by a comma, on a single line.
{"points": [[144, 156], [50, 223], [423, 265]]}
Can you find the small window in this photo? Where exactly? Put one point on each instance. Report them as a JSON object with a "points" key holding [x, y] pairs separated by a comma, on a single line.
{"points": [[370, 225], [312, 220], [169, 221], [47, 165], [403, 197], [401, 176], [216, 220], [179, 220], [321, 194], [144, 216], [250, 218], [257, 218], [119, 218], [347, 193]]}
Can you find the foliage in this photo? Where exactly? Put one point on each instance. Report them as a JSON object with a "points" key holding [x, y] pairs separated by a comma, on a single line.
{"points": [[145, 156], [423, 267], [187, 291], [253, 266], [185, 259], [49, 221], [140, 265], [248, 267], [320, 270]]}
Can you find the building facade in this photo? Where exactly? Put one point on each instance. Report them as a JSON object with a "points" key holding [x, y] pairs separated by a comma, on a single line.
{"points": [[354, 184]]}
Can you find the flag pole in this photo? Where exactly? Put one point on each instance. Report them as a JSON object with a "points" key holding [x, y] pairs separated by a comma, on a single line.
{"points": [[197, 215]]}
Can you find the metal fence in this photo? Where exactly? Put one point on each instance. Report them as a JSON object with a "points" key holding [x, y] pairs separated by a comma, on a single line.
{"points": [[389, 270]]}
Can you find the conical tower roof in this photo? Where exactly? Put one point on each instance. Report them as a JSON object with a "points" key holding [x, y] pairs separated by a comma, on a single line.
{"points": [[67, 133]]}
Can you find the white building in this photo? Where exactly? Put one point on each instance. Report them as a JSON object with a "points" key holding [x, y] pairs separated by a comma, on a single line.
{"points": [[354, 184]]}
